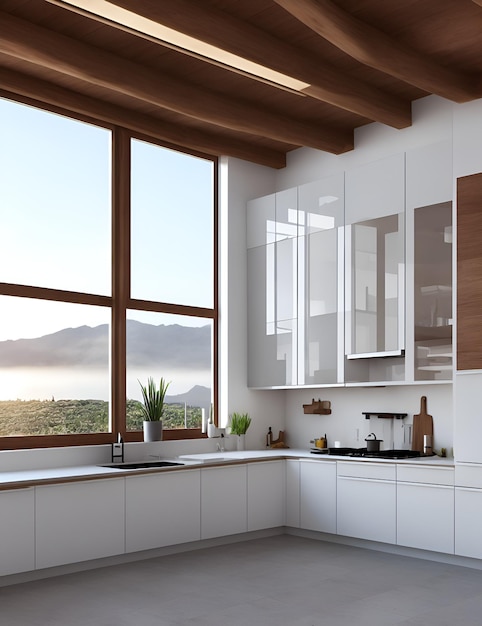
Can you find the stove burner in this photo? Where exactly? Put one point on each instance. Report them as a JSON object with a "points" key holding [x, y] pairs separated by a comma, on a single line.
{"points": [[380, 454]]}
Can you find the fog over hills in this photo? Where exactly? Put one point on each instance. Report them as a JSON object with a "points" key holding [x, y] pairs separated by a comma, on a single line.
{"points": [[147, 345]]}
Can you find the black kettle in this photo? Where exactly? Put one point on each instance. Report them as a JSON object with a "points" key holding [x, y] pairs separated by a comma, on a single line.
{"points": [[373, 445]]}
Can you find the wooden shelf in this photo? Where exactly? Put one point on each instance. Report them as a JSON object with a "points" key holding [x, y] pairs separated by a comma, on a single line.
{"points": [[318, 407]]}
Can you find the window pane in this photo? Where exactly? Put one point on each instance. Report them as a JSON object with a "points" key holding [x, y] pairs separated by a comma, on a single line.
{"points": [[179, 349], [172, 226], [55, 201], [54, 367]]}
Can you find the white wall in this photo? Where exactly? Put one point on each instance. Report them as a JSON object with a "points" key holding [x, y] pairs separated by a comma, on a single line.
{"points": [[241, 181], [346, 420]]}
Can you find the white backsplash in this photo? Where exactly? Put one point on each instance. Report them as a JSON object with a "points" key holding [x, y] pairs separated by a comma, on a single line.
{"points": [[348, 425]]}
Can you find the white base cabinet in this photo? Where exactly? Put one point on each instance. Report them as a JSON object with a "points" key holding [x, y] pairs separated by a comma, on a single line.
{"points": [[425, 508], [366, 501], [79, 521], [468, 513], [17, 547], [318, 496], [468, 510], [425, 517], [404, 504], [292, 469], [162, 509], [223, 501], [266, 495]]}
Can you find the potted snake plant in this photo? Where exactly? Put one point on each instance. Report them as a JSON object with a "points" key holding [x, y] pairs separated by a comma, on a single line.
{"points": [[153, 408], [239, 425]]}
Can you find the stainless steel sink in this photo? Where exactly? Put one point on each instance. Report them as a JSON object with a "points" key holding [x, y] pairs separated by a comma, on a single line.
{"points": [[141, 465]]}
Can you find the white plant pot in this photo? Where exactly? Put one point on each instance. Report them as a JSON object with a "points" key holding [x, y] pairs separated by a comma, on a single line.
{"points": [[241, 442], [152, 430], [212, 430]]}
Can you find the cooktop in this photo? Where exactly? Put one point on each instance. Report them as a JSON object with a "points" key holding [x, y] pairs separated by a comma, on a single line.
{"points": [[363, 452]]}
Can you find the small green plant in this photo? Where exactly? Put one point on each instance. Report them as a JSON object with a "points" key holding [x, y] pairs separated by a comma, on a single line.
{"points": [[240, 423], [153, 398]]}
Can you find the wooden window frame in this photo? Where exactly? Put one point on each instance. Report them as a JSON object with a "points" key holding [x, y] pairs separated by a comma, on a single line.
{"points": [[120, 301]]}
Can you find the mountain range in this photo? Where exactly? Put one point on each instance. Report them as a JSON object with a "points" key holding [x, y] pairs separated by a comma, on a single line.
{"points": [[86, 346], [196, 396]]}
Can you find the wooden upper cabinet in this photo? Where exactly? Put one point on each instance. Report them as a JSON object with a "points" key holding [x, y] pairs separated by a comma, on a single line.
{"points": [[469, 272]]}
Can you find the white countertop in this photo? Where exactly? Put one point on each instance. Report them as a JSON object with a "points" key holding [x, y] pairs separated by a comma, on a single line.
{"points": [[31, 477]]}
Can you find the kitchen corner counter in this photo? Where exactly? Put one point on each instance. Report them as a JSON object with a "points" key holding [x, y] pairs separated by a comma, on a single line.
{"points": [[299, 453], [29, 478]]}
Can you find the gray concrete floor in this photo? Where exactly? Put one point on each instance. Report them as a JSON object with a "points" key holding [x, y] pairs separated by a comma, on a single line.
{"points": [[278, 581]]}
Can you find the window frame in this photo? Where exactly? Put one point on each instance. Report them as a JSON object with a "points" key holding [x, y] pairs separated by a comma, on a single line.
{"points": [[120, 299]]}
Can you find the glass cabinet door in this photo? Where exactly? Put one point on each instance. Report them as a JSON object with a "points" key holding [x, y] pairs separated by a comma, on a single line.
{"points": [[375, 284], [433, 292], [320, 283], [272, 290]]}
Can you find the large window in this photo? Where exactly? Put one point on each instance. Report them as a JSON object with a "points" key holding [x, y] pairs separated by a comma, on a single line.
{"points": [[107, 277]]}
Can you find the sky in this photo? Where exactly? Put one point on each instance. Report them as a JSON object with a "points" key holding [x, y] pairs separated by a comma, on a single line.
{"points": [[55, 203]]}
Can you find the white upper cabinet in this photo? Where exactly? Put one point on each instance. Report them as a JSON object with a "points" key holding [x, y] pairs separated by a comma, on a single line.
{"points": [[272, 290], [429, 263], [429, 175], [375, 269], [320, 281], [375, 189], [295, 286], [351, 268], [261, 218]]}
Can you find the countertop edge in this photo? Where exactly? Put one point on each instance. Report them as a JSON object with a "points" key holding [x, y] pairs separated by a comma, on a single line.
{"points": [[24, 479]]}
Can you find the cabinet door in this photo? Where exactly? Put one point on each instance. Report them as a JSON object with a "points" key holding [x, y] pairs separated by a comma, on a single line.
{"points": [[17, 552], [318, 496], [272, 310], [467, 422], [272, 290], [162, 509], [425, 517], [266, 495], [320, 281], [432, 292], [292, 467], [223, 501], [375, 189], [366, 509], [468, 513], [79, 521], [429, 174], [261, 219], [375, 269]]}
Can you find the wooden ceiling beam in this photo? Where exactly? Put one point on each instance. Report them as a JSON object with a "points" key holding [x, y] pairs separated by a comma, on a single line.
{"points": [[373, 47], [13, 83], [41, 46], [228, 33]]}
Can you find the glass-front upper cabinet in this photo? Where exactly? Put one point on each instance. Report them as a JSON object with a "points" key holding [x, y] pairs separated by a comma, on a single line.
{"points": [[433, 292], [272, 236], [375, 271], [320, 281]]}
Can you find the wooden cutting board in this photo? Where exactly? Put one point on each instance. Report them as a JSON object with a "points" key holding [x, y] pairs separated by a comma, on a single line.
{"points": [[422, 425]]}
